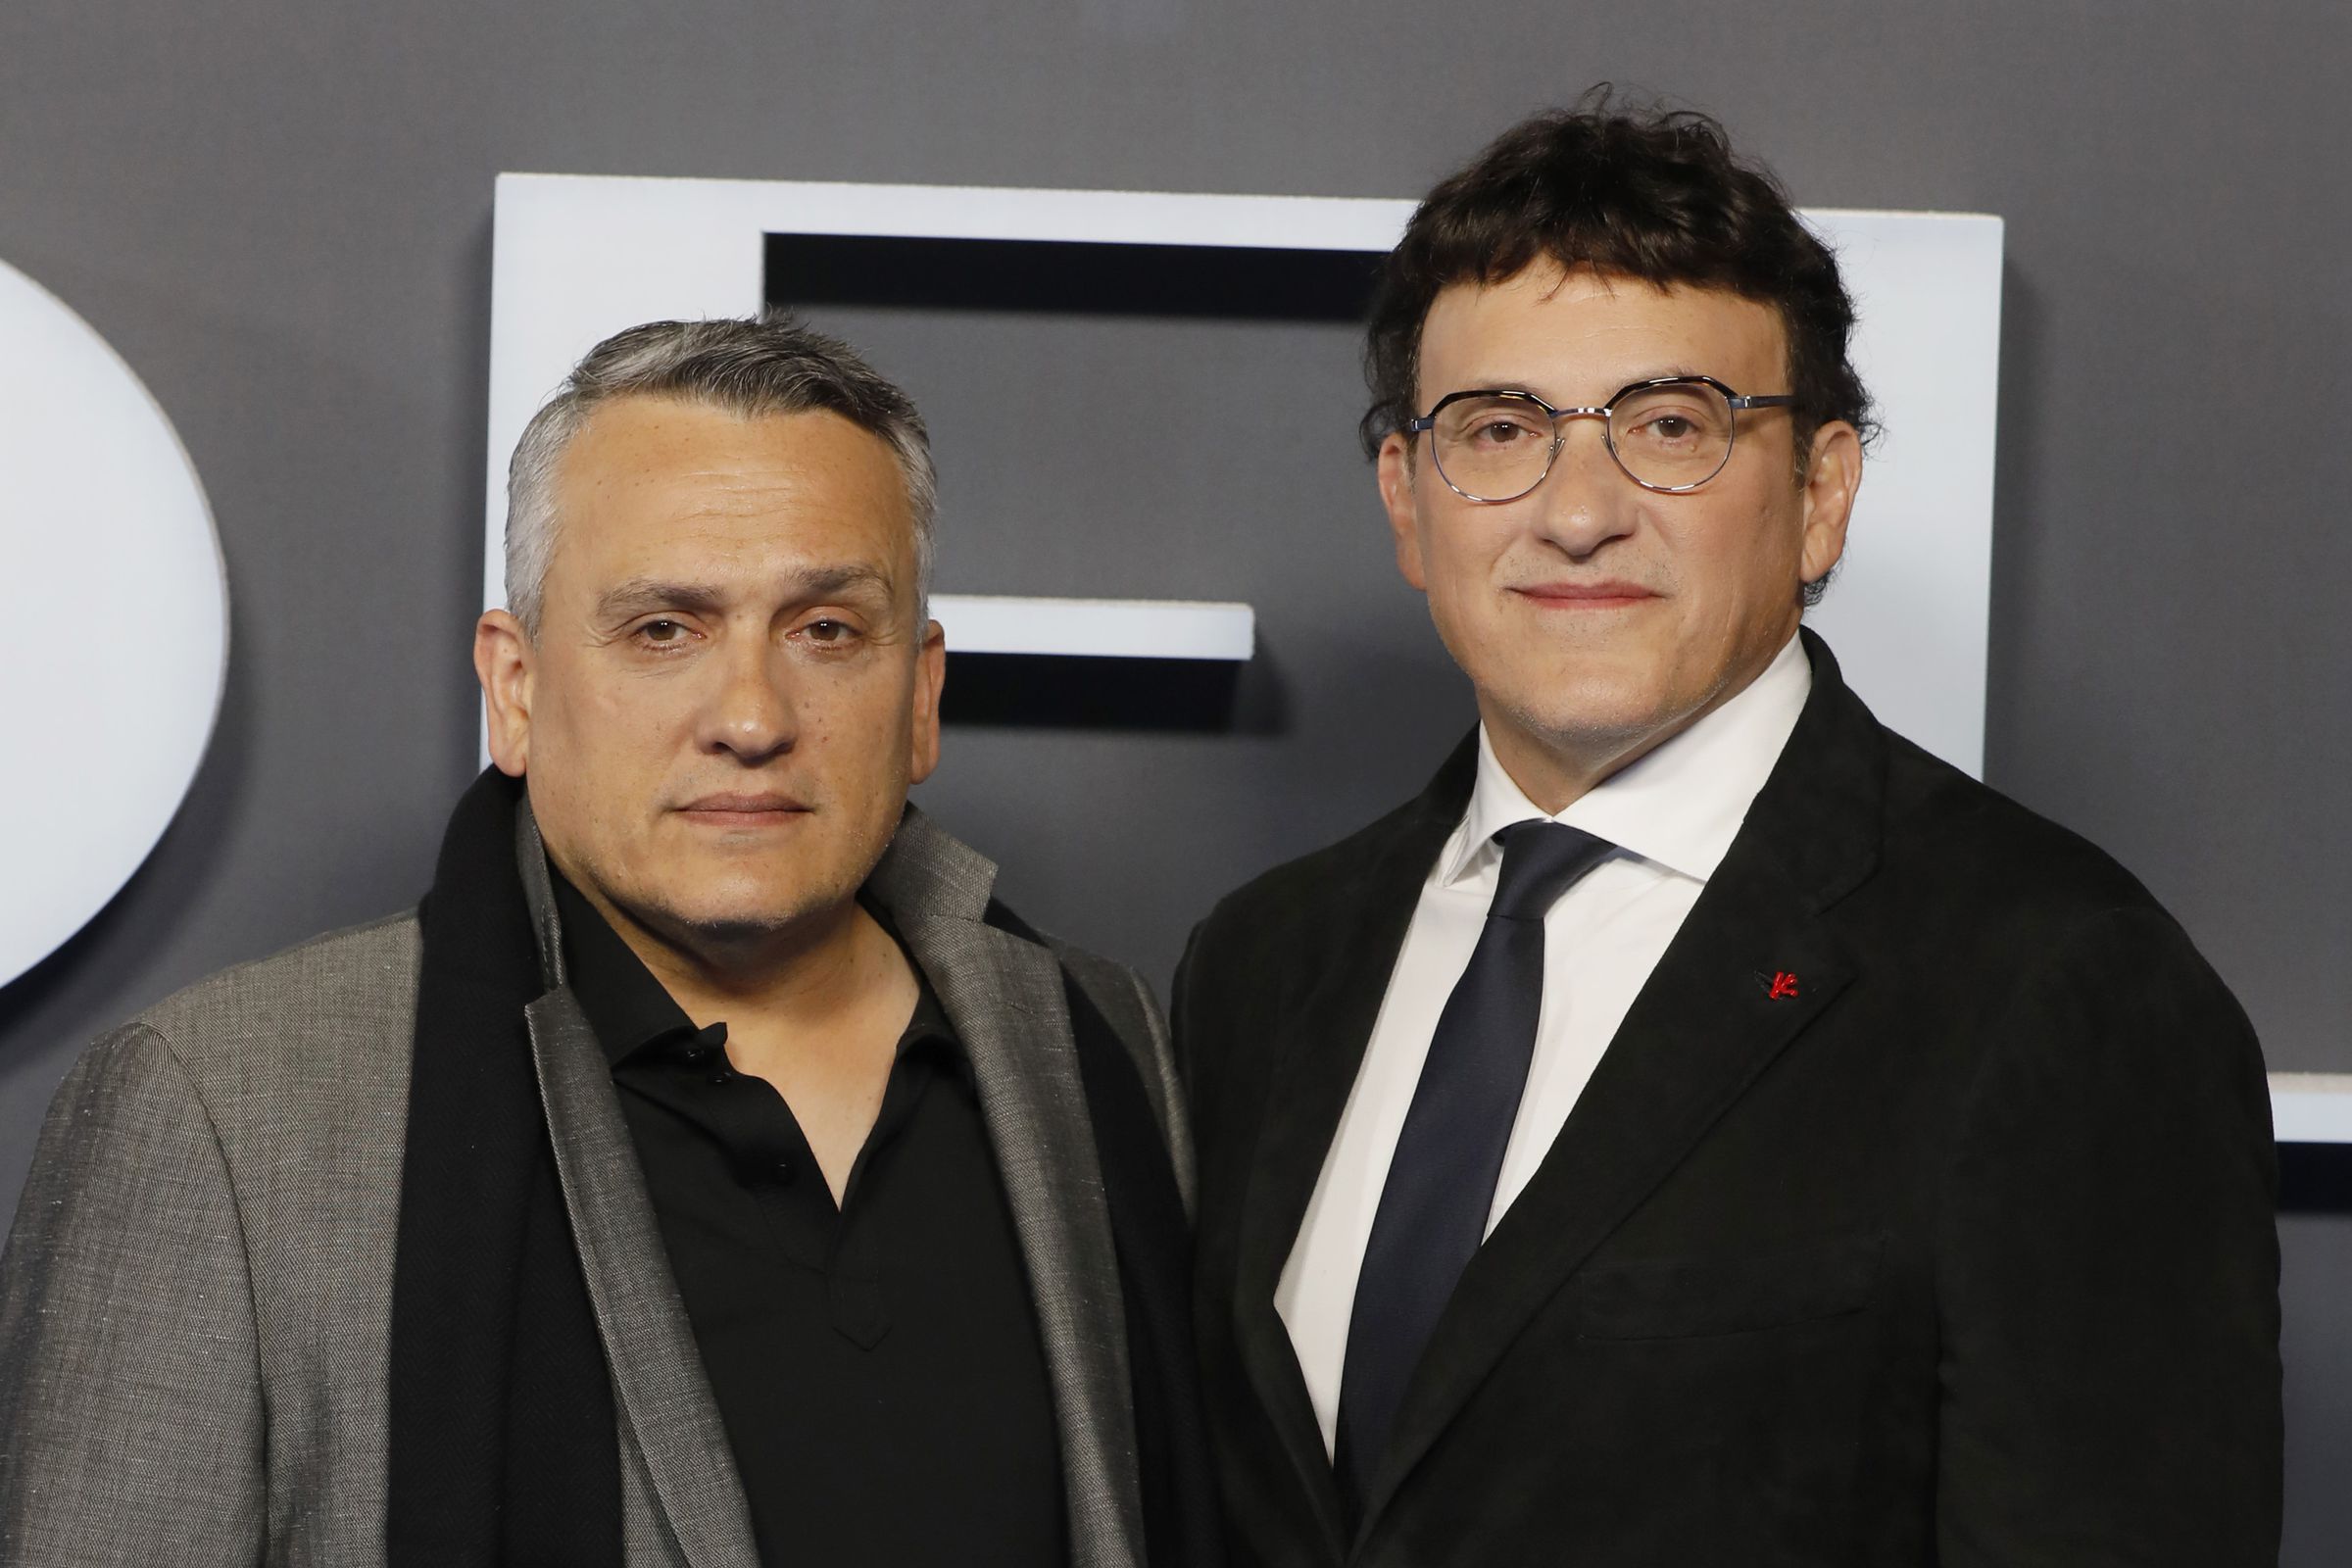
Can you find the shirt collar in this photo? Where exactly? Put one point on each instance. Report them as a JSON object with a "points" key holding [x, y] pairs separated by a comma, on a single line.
{"points": [[1679, 806], [631, 1012], [627, 1007]]}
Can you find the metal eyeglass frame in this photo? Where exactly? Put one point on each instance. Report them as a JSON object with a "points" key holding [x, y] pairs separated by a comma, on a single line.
{"points": [[1739, 404]]}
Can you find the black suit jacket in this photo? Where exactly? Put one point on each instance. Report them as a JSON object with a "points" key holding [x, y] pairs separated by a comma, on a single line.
{"points": [[1957, 1251]]}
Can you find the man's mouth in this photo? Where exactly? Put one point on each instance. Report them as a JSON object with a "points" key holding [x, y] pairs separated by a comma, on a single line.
{"points": [[743, 809], [1608, 593]]}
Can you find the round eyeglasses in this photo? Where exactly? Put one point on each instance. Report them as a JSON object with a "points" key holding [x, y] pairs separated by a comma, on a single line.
{"points": [[1670, 434]]}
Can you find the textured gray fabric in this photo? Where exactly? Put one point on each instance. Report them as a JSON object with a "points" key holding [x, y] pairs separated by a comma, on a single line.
{"points": [[1005, 997], [195, 1303], [658, 1378], [539, 896], [1135, 1015], [195, 1306], [660, 1392]]}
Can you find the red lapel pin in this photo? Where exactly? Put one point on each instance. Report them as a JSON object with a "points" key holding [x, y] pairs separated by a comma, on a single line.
{"points": [[1784, 986]]}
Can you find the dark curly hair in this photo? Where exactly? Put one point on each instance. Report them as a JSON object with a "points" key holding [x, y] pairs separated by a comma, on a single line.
{"points": [[1641, 192]]}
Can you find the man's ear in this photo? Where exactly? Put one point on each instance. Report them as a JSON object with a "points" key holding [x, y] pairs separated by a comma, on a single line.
{"points": [[930, 679], [1395, 469], [1833, 477], [502, 663]]}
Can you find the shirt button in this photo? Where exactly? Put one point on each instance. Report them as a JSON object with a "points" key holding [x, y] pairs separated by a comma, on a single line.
{"points": [[783, 1170]]}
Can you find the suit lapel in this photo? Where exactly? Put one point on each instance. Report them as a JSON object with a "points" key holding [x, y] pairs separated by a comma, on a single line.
{"points": [[1321, 1042], [657, 1369], [1005, 996], [1701, 1030], [1710, 1019], [657, 1374]]}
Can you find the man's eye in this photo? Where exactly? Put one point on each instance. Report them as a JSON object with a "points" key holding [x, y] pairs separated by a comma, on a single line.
{"points": [[1502, 434], [828, 631], [663, 633], [1666, 430]]}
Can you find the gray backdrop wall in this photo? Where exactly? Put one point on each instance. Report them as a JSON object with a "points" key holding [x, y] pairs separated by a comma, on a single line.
{"points": [[280, 212]]}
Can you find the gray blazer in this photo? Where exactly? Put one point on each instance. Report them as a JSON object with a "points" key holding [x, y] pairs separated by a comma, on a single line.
{"points": [[195, 1303]]}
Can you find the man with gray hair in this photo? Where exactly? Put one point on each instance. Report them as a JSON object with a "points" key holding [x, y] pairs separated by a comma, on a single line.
{"points": [[710, 1171]]}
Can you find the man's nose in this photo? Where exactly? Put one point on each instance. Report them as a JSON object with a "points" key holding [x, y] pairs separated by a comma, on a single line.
{"points": [[751, 714], [1586, 499]]}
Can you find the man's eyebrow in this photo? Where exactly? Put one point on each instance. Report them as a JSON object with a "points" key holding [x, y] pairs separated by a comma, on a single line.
{"points": [[818, 583], [637, 594], [1678, 370]]}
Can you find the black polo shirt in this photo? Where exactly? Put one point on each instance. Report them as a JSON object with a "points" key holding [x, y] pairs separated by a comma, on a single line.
{"points": [[876, 1365]]}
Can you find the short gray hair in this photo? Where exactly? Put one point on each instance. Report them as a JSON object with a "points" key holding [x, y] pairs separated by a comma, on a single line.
{"points": [[747, 365]]}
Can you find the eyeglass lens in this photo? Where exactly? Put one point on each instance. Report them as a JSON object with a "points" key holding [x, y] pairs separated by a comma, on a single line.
{"points": [[1499, 446]]}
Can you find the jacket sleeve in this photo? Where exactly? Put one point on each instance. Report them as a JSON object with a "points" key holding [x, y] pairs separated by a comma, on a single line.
{"points": [[130, 1406], [2107, 1269]]}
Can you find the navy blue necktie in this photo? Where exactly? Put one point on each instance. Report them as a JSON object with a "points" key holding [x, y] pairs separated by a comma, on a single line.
{"points": [[1433, 1211]]}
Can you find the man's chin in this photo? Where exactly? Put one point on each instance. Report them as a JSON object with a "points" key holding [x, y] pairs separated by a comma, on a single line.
{"points": [[750, 920], [1591, 738], [743, 923], [1587, 712]]}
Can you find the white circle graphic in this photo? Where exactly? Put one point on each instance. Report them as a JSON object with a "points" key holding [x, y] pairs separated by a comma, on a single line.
{"points": [[111, 680]]}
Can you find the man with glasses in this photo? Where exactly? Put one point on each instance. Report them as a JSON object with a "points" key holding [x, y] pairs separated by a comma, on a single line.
{"points": [[1701, 1128]]}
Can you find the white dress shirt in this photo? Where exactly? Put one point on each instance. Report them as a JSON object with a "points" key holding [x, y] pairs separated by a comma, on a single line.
{"points": [[1673, 816]]}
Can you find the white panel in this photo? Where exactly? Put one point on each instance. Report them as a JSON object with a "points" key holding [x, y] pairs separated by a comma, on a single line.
{"points": [[571, 268], [1100, 628], [115, 676], [2312, 1107], [1908, 612], [579, 257]]}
